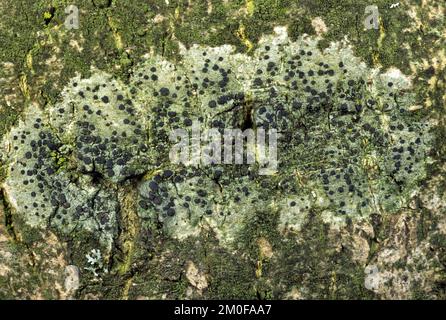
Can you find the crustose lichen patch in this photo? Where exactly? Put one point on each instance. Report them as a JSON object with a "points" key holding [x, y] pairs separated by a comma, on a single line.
{"points": [[349, 143]]}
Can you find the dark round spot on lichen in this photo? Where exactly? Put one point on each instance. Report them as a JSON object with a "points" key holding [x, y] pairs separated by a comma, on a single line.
{"points": [[170, 212], [164, 92]]}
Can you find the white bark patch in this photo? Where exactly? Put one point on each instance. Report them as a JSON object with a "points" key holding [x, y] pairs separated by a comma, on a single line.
{"points": [[195, 277], [319, 26], [71, 278]]}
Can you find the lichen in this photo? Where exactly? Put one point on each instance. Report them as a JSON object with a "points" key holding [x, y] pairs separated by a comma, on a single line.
{"points": [[347, 134]]}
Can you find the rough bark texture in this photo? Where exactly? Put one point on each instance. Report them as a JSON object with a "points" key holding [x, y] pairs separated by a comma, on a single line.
{"points": [[295, 246]]}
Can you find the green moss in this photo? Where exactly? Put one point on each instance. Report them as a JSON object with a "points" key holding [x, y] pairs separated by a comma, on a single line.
{"points": [[322, 272], [263, 224]]}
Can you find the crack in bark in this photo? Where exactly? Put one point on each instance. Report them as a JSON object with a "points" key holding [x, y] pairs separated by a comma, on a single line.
{"points": [[8, 221]]}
